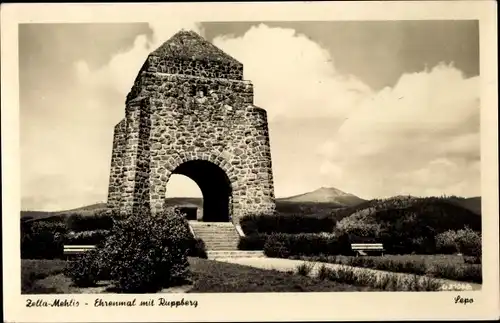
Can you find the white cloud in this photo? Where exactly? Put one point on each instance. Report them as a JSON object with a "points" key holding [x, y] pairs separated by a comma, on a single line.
{"points": [[426, 116], [119, 74], [292, 75], [422, 136]]}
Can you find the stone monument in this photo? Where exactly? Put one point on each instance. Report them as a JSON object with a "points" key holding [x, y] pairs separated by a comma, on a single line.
{"points": [[190, 112]]}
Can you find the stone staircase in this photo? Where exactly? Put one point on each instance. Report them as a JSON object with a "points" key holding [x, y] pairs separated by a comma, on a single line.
{"points": [[225, 254], [221, 240]]}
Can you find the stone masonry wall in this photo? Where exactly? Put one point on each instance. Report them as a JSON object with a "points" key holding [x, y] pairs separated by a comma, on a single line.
{"points": [[115, 177], [195, 68], [174, 118]]}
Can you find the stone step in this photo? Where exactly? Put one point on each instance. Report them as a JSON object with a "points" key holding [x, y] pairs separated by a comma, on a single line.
{"points": [[211, 245], [208, 245], [213, 228], [222, 248], [211, 233], [215, 231], [211, 225], [220, 234], [234, 254], [217, 236]]}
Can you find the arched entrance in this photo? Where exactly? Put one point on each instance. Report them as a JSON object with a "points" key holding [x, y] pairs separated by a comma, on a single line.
{"points": [[215, 188]]}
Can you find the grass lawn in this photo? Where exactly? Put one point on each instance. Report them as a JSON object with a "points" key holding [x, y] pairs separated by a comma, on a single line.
{"points": [[219, 277], [45, 277], [451, 267], [33, 271]]}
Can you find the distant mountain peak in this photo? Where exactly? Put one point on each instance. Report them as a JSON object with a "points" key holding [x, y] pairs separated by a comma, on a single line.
{"points": [[326, 195], [331, 191]]}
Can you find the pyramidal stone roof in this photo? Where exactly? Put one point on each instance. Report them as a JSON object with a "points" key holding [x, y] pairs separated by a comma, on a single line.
{"points": [[187, 44]]}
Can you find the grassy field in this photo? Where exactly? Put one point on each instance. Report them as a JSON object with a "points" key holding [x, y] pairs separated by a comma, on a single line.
{"points": [[451, 267], [45, 277], [219, 277], [34, 271]]}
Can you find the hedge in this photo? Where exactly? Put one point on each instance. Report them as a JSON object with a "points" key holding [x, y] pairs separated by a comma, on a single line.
{"points": [[279, 223], [101, 220], [282, 245], [42, 240], [253, 242]]}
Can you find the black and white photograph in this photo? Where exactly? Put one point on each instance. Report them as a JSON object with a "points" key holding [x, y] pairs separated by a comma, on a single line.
{"points": [[175, 157]]}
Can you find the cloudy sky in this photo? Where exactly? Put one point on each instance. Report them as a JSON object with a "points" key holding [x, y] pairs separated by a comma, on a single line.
{"points": [[372, 108]]}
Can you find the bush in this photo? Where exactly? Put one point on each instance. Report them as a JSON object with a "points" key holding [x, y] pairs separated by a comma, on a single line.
{"points": [[278, 223], [101, 220], [42, 240], [198, 249], [283, 245], [143, 253], [465, 241], [304, 269], [86, 237], [252, 242], [146, 253], [84, 272]]}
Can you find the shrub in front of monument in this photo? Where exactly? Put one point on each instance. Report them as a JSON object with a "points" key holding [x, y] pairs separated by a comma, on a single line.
{"points": [[142, 253], [277, 246], [85, 271], [99, 220], [254, 241], [283, 245], [197, 248], [147, 253], [42, 240], [279, 223]]}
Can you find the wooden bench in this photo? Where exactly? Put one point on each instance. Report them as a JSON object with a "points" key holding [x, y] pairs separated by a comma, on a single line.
{"points": [[75, 250], [363, 249]]}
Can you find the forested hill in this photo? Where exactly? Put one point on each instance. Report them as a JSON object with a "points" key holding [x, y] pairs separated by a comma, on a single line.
{"points": [[438, 213]]}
